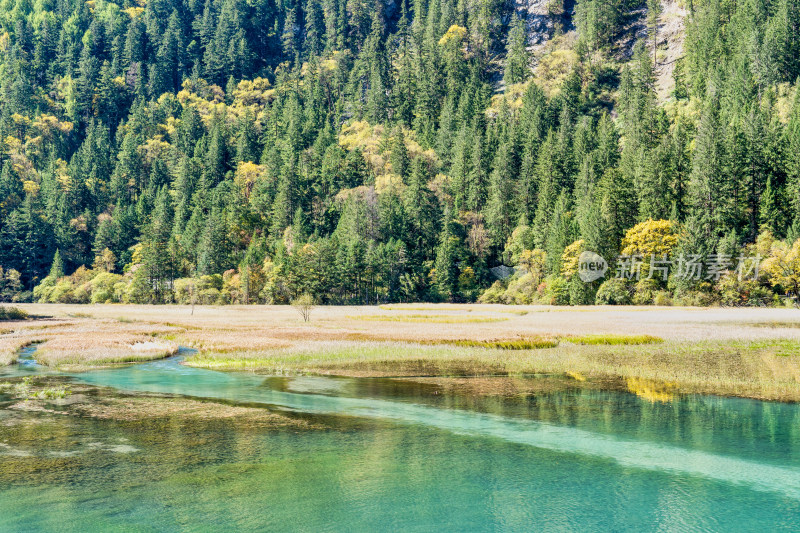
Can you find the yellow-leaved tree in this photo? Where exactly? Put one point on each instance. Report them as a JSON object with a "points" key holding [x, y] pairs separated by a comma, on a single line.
{"points": [[656, 237], [651, 238], [569, 259], [782, 266]]}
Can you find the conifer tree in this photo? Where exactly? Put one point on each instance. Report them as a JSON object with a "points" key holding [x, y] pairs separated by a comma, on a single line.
{"points": [[517, 68]]}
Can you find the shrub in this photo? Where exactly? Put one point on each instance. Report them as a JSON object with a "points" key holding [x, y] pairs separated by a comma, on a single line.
{"points": [[569, 259], [139, 290], [468, 284], [208, 296], [61, 292], [614, 291], [662, 298], [580, 292], [214, 281], [521, 289], [645, 291], [737, 292], [12, 313], [41, 293], [557, 290], [81, 295], [494, 294], [521, 240], [304, 304], [102, 287], [650, 238], [185, 290], [695, 299]]}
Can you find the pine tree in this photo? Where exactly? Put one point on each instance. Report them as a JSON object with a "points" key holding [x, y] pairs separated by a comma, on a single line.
{"points": [[770, 216], [709, 190], [500, 209], [213, 247], [446, 259], [420, 210], [284, 205], [57, 266], [399, 156], [517, 56], [157, 261]]}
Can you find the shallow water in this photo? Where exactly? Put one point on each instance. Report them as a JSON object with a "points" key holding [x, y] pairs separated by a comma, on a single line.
{"points": [[401, 455]]}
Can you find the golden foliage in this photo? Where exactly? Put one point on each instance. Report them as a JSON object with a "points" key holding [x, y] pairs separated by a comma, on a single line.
{"points": [[783, 265], [651, 237], [256, 92], [30, 187], [247, 175], [569, 259], [533, 261], [133, 12], [332, 63], [370, 140], [19, 159], [20, 120], [553, 69], [454, 33], [60, 170], [153, 149], [389, 182], [512, 95], [47, 124], [206, 99]]}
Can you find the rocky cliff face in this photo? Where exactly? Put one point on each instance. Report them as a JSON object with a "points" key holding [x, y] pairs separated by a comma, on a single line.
{"points": [[543, 16]]}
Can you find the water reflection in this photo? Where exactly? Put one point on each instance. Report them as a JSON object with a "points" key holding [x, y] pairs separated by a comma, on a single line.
{"points": [[546, 453]]}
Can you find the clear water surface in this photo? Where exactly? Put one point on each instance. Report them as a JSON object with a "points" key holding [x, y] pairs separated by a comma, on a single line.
{"points": [[399, 456]]}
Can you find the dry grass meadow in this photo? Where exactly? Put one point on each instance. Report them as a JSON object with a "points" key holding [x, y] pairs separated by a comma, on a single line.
{"points": [[739, 352]]}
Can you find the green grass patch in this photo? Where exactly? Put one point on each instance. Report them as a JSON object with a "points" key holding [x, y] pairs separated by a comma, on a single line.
{"points": [[613, 339], [779, 347], [512, 344]]}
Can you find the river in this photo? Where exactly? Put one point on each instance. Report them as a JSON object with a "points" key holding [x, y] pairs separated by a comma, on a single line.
{"points": [[400, 455]]}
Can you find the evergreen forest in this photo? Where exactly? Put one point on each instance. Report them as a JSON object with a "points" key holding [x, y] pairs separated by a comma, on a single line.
{"points": [[371, 151]]}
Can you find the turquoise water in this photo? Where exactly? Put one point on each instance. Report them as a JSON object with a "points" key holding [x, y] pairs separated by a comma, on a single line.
{"points": [[400, 456]]}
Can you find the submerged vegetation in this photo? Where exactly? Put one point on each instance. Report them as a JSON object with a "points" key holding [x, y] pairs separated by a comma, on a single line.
{"points": [[32, 388]]}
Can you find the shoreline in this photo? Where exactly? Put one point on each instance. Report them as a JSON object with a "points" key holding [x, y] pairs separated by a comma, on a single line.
{"points": [[749, 353], [733, 369]]}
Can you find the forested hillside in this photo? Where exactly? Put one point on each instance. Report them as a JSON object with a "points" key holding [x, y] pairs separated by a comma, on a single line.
{"points": [[362, 151]]}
